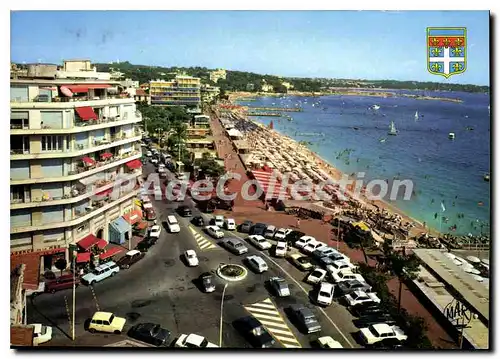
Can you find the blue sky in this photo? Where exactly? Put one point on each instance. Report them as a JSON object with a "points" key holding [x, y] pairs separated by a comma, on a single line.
{"points": [[338, 44]]}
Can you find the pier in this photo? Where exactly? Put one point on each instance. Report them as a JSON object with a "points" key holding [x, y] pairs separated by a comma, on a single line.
{"points": [[270, 114], [282, 109]]}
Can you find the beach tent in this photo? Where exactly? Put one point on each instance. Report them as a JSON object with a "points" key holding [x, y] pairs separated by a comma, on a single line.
{"points": [[233, 132], [361, 225]]}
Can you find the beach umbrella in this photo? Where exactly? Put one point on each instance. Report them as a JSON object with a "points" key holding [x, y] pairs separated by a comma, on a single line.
{"points": [[478, 278], [471, 270], [473, 259], [486, 261]]}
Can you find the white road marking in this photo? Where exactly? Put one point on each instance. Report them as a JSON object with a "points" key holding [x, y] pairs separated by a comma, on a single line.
{"points": [[307, 294], [203, 243]]}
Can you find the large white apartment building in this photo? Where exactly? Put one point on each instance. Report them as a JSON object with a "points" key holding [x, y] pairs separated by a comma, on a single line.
{"points": [[70, 139]]}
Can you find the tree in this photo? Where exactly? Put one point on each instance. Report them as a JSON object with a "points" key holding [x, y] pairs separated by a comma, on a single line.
{"points": [[61, 264]]}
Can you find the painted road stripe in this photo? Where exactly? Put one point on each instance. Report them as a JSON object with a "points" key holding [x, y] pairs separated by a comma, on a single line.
{"points": [[272, 320], [203, 243]]}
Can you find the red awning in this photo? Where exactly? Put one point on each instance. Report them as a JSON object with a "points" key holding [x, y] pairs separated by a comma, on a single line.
{"points": [[85, 88], [134, 164], [105, 192], [102, 244], [88, 160], [83, 257], [133, 217], [86, 113], [264, 179], [88, 242], [66, 91], [111, 252], [106, 155]]}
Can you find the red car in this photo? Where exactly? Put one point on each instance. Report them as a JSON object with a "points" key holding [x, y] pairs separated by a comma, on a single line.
{"points": [[60, 283], [149, 211]]}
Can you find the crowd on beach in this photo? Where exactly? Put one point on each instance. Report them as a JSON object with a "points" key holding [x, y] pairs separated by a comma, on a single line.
{"points": [[285, 156]]}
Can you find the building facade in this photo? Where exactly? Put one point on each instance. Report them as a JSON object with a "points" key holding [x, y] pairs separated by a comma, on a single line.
{"points": [[217, 75], [71, 142], [182, 91]]}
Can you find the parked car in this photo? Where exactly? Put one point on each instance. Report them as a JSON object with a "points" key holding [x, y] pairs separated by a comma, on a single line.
{"points": [[370, 319], [235, 246], [184, 211], [269, 232], [41, 334], [150, 333], [337, 266], [254, 332], [370, 309], [257, 263], [154, 160], [279, 286], [214, 231], [303, 241], [325, 293], [100, 273], [198, 221], [146, 243], [358, 297], [173, 225], [312, 246], [149, 210], [259, 241], [281, 233], [149, 154], [246, 226], [328, 342], [304, 318], [259, 229], [106, 322], [323, 251], [155, 231], [131, 257], [280, 249], [191, 258], [230, 224], [388, 343], [219, 221], [300, 261], [193, 341], [343, 275], [63, 282], [329, 260], [350, 286], [207, 282], [381, 331], [316, 276], [294, 236]]}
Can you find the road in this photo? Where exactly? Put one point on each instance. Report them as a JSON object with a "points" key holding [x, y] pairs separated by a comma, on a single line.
{"points": [[160, 289]]}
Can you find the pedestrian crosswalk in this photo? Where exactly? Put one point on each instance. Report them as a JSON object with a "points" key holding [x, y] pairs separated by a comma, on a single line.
{"points": [[202, 242], [267, 313]]}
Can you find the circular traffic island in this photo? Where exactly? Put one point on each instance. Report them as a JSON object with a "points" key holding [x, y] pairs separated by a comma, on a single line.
{"points": [[232, 272]]}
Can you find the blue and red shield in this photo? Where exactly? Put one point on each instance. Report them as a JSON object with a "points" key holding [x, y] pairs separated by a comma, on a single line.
{"points": [[446, 50]]}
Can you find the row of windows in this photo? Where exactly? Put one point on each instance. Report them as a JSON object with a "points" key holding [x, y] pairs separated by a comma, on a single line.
{"points": [[54, 143]]}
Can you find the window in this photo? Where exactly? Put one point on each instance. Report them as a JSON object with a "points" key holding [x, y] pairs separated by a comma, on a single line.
{"points": [[53, 143], [17, 194], [19, 144], [99, 322], [19, 120]]}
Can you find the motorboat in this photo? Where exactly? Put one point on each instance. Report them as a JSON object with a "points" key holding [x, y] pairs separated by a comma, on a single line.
{"points": [[392, 129], [451, 135], [486, 177], [375, 107], [416, 115]]}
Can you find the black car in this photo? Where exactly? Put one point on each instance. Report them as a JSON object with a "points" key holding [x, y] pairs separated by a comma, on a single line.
{"points": [[258, 229], [294, 236], [246, 226], [304, 318], [367, 320], [146, 243], [388, 343], [254, 332], [207, 282], [224, 205], [184, 211], [373, 309], [198, 221], [150, 333]]}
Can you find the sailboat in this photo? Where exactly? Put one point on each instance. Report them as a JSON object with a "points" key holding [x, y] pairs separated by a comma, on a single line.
{"points": [[375, 107], [392, 129], [416, 115]]}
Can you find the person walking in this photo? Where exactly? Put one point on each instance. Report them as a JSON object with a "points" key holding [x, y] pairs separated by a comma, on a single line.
{"points": [[298, 222]]}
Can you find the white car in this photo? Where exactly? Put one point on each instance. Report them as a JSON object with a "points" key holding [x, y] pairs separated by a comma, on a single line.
{"points": [[257, 264], [312, 246], [338, 266], [329, 343], [219, 221], [214, 231], [155, 231], [303, 241], [281, 233], [191, 258], [346, 274], [154, 161], [230, 224], [359, 297], [381, 331], [325, 293], [173, 224], [259, 241], [316, 276], [149, 154], [193, 341], [281, 248], [41, 334]]}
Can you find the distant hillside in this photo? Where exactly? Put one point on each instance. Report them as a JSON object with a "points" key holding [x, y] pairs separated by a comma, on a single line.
{"points": [[238, 80]]}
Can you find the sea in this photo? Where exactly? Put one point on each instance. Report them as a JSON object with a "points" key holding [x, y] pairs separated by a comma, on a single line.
{"points": [[449, 190]]}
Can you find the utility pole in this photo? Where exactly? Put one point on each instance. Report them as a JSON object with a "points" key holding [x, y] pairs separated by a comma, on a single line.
{"points": [[74, 297], [221, 315]]}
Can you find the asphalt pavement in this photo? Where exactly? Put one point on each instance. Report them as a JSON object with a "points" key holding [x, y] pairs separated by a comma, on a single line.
{"points": [[162, 289]]}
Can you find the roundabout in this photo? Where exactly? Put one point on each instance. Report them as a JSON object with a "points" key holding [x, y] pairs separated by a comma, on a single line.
{"points": [[232, 272]]}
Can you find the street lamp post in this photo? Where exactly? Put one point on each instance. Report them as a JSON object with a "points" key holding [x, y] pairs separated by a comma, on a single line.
{"points": [[74, 297], [221, 315]]}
